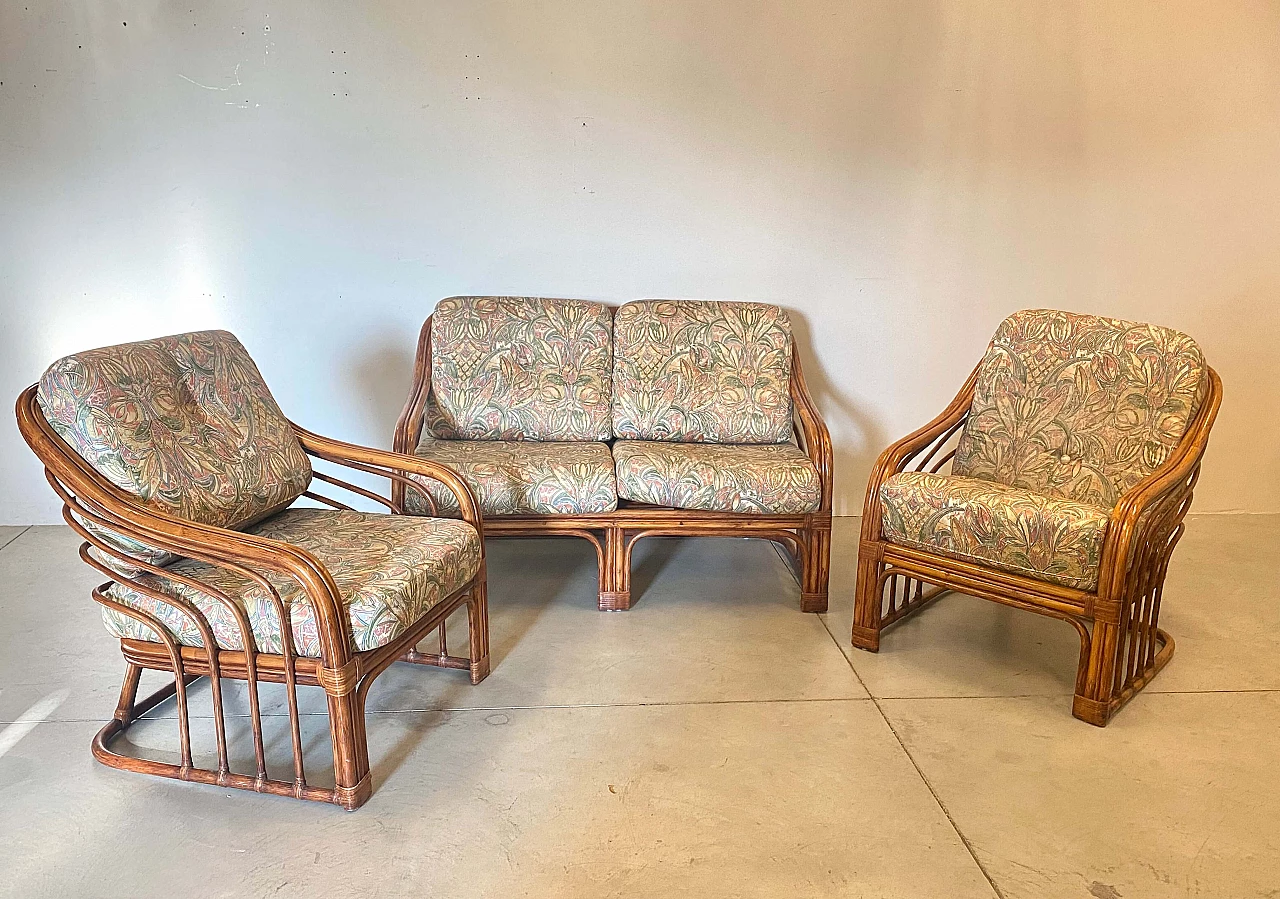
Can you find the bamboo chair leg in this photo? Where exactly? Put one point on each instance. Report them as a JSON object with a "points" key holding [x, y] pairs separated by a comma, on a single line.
{"points": [[128, 693], [615, 579], [1092, 702], [1104, 683], [816, 570], [478, 631], [353, 784], [867, 605]]}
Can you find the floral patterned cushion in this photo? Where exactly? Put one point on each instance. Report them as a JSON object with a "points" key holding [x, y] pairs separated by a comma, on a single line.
{"points": [[390, 570], [693, 372], [511, 368], [184, 423], [776, 478], [1079, 407], [1012, 529], [130, 551], [520, 477]]}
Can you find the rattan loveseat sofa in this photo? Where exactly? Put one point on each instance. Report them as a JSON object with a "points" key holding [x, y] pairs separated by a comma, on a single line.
{"points": [[657, 418]]}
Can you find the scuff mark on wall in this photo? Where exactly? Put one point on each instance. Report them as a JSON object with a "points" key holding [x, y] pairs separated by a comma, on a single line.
{"points": [[209, 87]]}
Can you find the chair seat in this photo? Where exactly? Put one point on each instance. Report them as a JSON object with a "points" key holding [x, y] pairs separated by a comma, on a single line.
{"points": [[1015, 530], [390, 570], [520, 477], [773, 478]]}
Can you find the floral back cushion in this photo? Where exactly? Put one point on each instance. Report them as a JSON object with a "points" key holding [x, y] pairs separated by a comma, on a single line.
{"points": [[1078, 406], [184, 423], [520, 368], [702, 372]]}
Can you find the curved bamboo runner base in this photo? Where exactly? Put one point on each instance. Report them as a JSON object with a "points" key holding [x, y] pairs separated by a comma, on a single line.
{"points": [[229, 664], [1084, 707], [1099, 714], [349, 799]]}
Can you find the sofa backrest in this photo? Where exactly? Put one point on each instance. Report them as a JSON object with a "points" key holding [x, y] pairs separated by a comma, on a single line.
{"points": [[702, 372], [1079, 406], [520, 368], [184, 423]]}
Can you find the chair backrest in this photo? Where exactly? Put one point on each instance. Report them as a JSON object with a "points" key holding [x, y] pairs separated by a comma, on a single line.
{"points": [[184, 423], [702, 372], [519, 368], [1079, 406]]}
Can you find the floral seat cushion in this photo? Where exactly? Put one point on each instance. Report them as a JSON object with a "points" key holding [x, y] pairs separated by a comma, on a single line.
{"points": [[770, 478], [1078, 406], [1009, 528], [520, 477], [691, 372], [512, 368], [390, 570]]}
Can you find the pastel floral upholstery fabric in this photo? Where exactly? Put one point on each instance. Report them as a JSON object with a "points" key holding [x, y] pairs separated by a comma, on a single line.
{"points": [[390, 570], [184, 423], [770, 478], [1079, 407], [693, 372], [130, 550], [520, 477], [512, 368], [1009, 528]]}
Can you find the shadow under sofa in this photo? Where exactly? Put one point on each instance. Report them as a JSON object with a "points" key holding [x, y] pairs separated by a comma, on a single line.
{"points": [[656, 418]]}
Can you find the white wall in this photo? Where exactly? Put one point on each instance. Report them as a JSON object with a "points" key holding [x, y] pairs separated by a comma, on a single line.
{"points": [[315, 175]]}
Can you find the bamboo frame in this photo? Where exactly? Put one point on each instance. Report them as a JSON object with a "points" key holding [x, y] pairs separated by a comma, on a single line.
{"points": [[344, 673], [805, 537], [1121, 644]]}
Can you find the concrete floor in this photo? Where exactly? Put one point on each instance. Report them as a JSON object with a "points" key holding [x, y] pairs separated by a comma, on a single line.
{"points": [[714, 741]]}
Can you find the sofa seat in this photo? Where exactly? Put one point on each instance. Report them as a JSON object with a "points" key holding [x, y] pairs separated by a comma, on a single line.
{"points": [[1009, 528], [389, 569], [775, 478], [520, 477]]}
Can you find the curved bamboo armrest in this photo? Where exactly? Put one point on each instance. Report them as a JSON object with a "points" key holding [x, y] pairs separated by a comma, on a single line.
{"points": [[89, 497], [1139, 509], [409, 425], [248, 554], [395, 467], [895, 457], [815, 438]]}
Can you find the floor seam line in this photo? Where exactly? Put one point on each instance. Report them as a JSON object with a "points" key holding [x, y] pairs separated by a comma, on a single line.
{"points": [[1148, 691], [941, 805], [691, 702], [964, 840], [6, 544], [489, 708]]}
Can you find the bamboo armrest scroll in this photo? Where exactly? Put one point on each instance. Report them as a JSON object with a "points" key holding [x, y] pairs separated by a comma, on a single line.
{"points": [[409, 425], [93, 498], [812, 430], [396, 467], [895, 457], [1165, 492]]}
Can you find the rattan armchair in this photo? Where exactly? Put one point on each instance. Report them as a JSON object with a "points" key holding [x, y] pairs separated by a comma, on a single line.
{"points": [[176, 467], [1073, 449]]}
